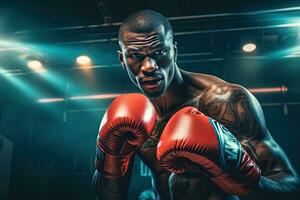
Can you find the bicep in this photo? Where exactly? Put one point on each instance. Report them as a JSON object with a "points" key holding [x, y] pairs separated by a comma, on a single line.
{"points": [[262, 147], [238, 110], [270, 157]]}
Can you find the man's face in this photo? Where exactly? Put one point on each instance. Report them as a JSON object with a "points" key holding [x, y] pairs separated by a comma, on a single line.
{"points": [[149, 59]]}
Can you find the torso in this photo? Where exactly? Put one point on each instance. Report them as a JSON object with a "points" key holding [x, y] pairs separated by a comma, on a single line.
{"points": [[212, 102]]}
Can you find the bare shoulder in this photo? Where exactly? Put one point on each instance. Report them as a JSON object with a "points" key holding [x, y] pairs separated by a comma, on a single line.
{"points": [[230, 104], [201, 81], [236, 108]]}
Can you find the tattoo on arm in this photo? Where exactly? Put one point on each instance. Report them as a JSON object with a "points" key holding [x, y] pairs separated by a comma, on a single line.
{"points": [[240, 112], [230, 106]]}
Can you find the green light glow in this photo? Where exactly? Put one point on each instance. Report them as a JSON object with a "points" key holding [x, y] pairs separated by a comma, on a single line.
{"points": [[23, 87]]}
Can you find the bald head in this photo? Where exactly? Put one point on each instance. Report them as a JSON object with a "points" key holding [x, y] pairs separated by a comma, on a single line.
{"points": [[145, 21]]}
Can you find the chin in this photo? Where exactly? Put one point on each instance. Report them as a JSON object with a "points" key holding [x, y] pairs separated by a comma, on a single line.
{"points": [[153, 94]]}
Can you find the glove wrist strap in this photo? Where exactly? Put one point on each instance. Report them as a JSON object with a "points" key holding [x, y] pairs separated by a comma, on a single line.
{"points": [[112, 166]]}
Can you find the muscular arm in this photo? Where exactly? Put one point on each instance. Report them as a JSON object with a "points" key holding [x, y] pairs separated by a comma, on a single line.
{"points": [[279, 180], [111, 189], [239, 111]]}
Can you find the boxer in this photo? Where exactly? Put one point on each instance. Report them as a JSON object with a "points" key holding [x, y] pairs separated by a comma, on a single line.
{"points": [[204, 138]]}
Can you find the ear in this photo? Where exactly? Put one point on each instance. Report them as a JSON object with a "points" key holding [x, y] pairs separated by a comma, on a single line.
{"points": [[120, 54], [175, 51]]}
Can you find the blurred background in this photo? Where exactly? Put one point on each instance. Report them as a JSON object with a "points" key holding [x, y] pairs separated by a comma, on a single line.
{"points": [[59, 71]]}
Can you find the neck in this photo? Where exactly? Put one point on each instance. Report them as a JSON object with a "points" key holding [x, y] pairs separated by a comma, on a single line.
{"points": [[174, 95]]}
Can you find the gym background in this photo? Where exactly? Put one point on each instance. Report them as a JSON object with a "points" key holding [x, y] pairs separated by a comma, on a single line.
{"points": [[59, 71]]}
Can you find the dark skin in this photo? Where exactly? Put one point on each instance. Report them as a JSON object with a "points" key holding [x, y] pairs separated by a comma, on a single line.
{"points": [[150, 61]]}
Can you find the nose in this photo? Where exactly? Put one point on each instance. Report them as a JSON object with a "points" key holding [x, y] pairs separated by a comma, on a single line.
{"points": [[149, 65]]}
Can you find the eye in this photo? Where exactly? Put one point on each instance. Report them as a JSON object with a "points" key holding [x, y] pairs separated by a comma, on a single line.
{"points": [[161, 52], [136, 56]]}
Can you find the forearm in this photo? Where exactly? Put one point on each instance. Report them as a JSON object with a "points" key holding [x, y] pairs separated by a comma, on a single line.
{"points": [[276, 189], [110, 189]]}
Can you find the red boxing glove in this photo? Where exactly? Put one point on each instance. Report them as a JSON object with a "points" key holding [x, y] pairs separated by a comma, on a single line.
{"points": [[193, 142], [126, 125]]}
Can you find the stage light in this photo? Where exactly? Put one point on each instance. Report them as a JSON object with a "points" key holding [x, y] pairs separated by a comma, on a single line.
{"points": [[282, 89], [50, 100], [83, 60], [249, 47], [96, 96], [36, 66], [89, 97]]}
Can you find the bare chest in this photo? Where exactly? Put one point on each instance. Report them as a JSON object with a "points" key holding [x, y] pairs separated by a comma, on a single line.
{"points": [[147, 152], [161, 122]]}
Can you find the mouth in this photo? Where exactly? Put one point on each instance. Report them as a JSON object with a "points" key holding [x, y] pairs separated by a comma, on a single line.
{"points": [[152, 82]]}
